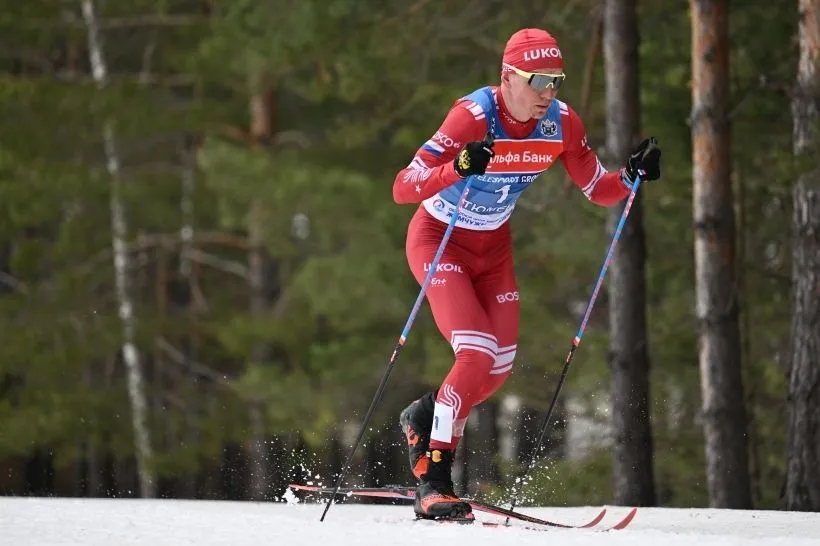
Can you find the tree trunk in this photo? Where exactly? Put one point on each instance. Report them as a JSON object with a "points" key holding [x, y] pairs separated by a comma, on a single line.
{"points": [[528, 428], [257, 452], [481, 447], [186, 203], [803, 467], [7, 284], [628, 360], [724, 414], [89, 450], [261, 111], [183, 300], [119, 229], [590, 66]]}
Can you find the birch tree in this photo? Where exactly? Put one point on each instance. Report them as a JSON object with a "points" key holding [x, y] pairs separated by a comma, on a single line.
{"points": [[803, 466], [122, 268], [717, 308]]}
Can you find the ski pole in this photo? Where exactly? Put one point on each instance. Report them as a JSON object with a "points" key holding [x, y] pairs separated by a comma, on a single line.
{"points": [[402, 338], [576, 342]]}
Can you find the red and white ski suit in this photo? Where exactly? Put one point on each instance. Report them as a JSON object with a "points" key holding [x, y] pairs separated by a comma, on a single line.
{"points": [[474, 295]]}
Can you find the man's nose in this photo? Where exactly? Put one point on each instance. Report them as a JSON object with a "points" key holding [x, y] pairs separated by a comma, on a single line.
{"points": [[548, 93]]}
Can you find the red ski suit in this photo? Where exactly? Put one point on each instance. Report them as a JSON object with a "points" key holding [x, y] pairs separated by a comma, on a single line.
{"points": [[474, 295]]}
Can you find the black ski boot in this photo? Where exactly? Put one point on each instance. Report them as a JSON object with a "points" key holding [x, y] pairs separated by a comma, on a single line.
{"points": [[416, 422], [435, 498]]}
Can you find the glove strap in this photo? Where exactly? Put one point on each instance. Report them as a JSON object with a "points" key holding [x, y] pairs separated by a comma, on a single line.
{"points": [[628, 184]]}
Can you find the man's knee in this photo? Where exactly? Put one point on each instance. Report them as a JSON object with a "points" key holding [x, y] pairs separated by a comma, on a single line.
{"points": [[504, 358], [474, 346], [499, 372]]}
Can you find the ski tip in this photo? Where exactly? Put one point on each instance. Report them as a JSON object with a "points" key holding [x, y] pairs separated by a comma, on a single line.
{"points": [[625, 521], [596, 520]]}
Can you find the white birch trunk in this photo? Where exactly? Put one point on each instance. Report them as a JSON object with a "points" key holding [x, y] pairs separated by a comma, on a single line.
{"points": [[119, 230]]}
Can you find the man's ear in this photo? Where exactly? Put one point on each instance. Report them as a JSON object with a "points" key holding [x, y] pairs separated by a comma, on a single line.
{"points": [[505, 78]]}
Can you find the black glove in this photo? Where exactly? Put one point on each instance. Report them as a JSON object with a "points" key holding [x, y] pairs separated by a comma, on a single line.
{"points": [[474, 157], [644, 161]]}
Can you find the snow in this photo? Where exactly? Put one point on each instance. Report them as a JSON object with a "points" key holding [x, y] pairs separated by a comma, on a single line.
{"points": [[131, 522]]}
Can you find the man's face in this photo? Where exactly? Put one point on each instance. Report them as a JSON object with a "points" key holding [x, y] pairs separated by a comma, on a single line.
{"points": [[527, 99]]}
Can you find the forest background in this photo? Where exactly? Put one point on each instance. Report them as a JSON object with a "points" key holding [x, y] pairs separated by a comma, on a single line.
{"points": [[203, 271]]}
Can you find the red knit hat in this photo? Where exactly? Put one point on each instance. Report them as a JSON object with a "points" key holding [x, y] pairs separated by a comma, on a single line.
{"points": [[532, 48]]}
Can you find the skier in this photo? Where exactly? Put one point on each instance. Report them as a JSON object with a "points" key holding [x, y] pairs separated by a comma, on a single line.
{"points": [[473, 295]]}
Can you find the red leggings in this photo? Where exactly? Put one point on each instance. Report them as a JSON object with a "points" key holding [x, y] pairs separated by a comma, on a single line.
{"points": [[474, 299]]}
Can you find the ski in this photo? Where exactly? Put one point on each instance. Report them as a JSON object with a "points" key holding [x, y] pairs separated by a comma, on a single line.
{"points": [[388, 492], [399, 492], [623, 523]]}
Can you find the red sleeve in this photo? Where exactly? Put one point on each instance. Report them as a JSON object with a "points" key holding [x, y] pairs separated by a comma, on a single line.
{"points": [[432, 167], [601, 187]]}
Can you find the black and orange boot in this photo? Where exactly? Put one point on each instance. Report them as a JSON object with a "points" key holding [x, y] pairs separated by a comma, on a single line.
{"points": [[435, 497], [416, 422]]}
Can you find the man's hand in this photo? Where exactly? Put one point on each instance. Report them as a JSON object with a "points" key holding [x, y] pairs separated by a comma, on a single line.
{"points": [[644, 161], [474, 157]]}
